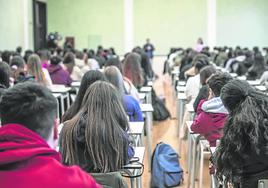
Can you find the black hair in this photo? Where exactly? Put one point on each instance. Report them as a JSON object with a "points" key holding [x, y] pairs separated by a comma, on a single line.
{"points": [[6, 56], [17, 61], [27, 55], [245, 131], [55, 60], [88, 79], [4, 74], [114, 61], [31, 105], [68, 58], [205, 73], [200, 61], [217, 81]]}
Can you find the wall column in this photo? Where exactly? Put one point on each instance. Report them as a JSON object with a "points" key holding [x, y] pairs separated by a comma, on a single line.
{"points": [[211, 23], [128, 25]]}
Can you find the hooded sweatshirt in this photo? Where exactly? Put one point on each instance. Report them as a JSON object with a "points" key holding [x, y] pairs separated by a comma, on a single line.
{"points": [[210, 119], [26, 161], [59, 75]]}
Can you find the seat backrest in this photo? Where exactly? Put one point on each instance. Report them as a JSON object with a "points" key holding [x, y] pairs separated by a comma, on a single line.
{"points": [[110, 180]]}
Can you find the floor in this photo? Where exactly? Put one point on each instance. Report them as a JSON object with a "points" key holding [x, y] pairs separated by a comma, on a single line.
{"points": [[166, 131]]}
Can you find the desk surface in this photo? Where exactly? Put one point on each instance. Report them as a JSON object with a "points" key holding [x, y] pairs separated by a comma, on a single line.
{"points": [[181, 96], [181, 88], [189, 107], [142, 96], [254, 82], [188, 124], [261, 88], [139, 152], [212, 150], [56, 95], [145, 89], [181, 83], [146, 107], [76, 84], [136, 128], [59, 89]]}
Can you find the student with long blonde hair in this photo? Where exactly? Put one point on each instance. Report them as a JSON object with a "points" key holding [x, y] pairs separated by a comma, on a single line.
{"points": [[34, 68]]}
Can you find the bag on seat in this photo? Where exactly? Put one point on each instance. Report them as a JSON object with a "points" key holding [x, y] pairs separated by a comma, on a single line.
{"points": [[166, 170]]}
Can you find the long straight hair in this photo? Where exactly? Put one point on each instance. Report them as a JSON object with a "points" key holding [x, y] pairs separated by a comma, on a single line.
{"points": [[34, 68], [106, 123], [88, 79], [132, 69]]}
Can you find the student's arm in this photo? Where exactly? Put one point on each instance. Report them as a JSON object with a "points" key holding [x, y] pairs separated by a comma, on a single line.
{"points": [[199, 123]]}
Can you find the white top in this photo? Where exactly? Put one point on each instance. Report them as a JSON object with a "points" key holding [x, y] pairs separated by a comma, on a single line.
{"points": [[47, 76], [192, 87]]}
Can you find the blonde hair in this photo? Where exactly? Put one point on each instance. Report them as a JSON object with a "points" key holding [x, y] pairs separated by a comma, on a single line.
{"points": [[35, 69]]}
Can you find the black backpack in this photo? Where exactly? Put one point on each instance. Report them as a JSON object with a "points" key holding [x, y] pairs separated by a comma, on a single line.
{"points": [[160, 111]]}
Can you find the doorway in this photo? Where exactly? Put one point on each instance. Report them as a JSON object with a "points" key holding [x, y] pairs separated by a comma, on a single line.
{"points": [[40, 24]]}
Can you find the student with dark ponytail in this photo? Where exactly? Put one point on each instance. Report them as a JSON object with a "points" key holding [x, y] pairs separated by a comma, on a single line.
{"points": [[242, 156]]}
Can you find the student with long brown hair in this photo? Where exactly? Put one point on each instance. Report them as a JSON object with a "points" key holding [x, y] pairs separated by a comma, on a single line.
{"points": [[132, 69], [96, 138]]}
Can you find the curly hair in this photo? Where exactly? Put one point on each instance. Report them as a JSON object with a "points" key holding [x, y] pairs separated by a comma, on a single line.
{"points": [[245, 130]]}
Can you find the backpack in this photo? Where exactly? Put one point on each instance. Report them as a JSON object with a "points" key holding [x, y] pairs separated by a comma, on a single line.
{"points": [[165, 169], [160, 111]]}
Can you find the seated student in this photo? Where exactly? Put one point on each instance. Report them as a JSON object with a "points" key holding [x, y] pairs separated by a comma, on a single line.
{"points": [[57, 73], [205, 73], [27, 160], [95, 138], [242, 154], [131, 105], [132, 69], [129, 88], [69, 65], [44, 56], [35, 69], [211, 114], [18, 70], [4, 76], [193, 83], [88, 79], [257, 69]]}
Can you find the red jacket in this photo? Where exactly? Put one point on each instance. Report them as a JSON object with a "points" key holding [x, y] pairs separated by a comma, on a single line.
{"points": [[210, 122], [26, 161]]}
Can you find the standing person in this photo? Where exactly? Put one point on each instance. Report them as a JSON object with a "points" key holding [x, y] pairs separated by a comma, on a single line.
{"points": [[27, 160], [242, 154], [200, 45], [149, 49]]}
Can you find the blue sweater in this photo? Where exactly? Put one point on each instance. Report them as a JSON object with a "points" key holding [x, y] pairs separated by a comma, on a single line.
{"points": [[132, 108]]}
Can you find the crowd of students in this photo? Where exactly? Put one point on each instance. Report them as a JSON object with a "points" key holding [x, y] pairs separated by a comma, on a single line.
{"points": [[229, 109], [94, 134]]}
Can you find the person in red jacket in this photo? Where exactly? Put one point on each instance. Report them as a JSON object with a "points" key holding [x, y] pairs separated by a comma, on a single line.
{"points": [[211, 113], [27, 160]]}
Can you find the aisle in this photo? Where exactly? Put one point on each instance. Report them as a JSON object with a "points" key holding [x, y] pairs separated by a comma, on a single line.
{"points": [[166, 131]]}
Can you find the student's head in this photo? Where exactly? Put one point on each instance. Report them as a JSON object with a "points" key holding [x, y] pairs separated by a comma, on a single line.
{"points": [[200, 41], [17, 65], [4, 74], [105, 124], [6, 56], [205, 73], [245, 131], [44, 55], [114, 76], [132, 69], [55, 60], [30, 105], [217, 81], [114, 61], [27, 53], [88, 79], [259, 61], [34, 68], [200, 61], [69, 61]]}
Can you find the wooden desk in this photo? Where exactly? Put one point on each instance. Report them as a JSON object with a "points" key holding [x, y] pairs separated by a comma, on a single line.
{"points": [[58, 97], [148, 91], [181, 89], [181, 100], [254, 82], [261, 88]]}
